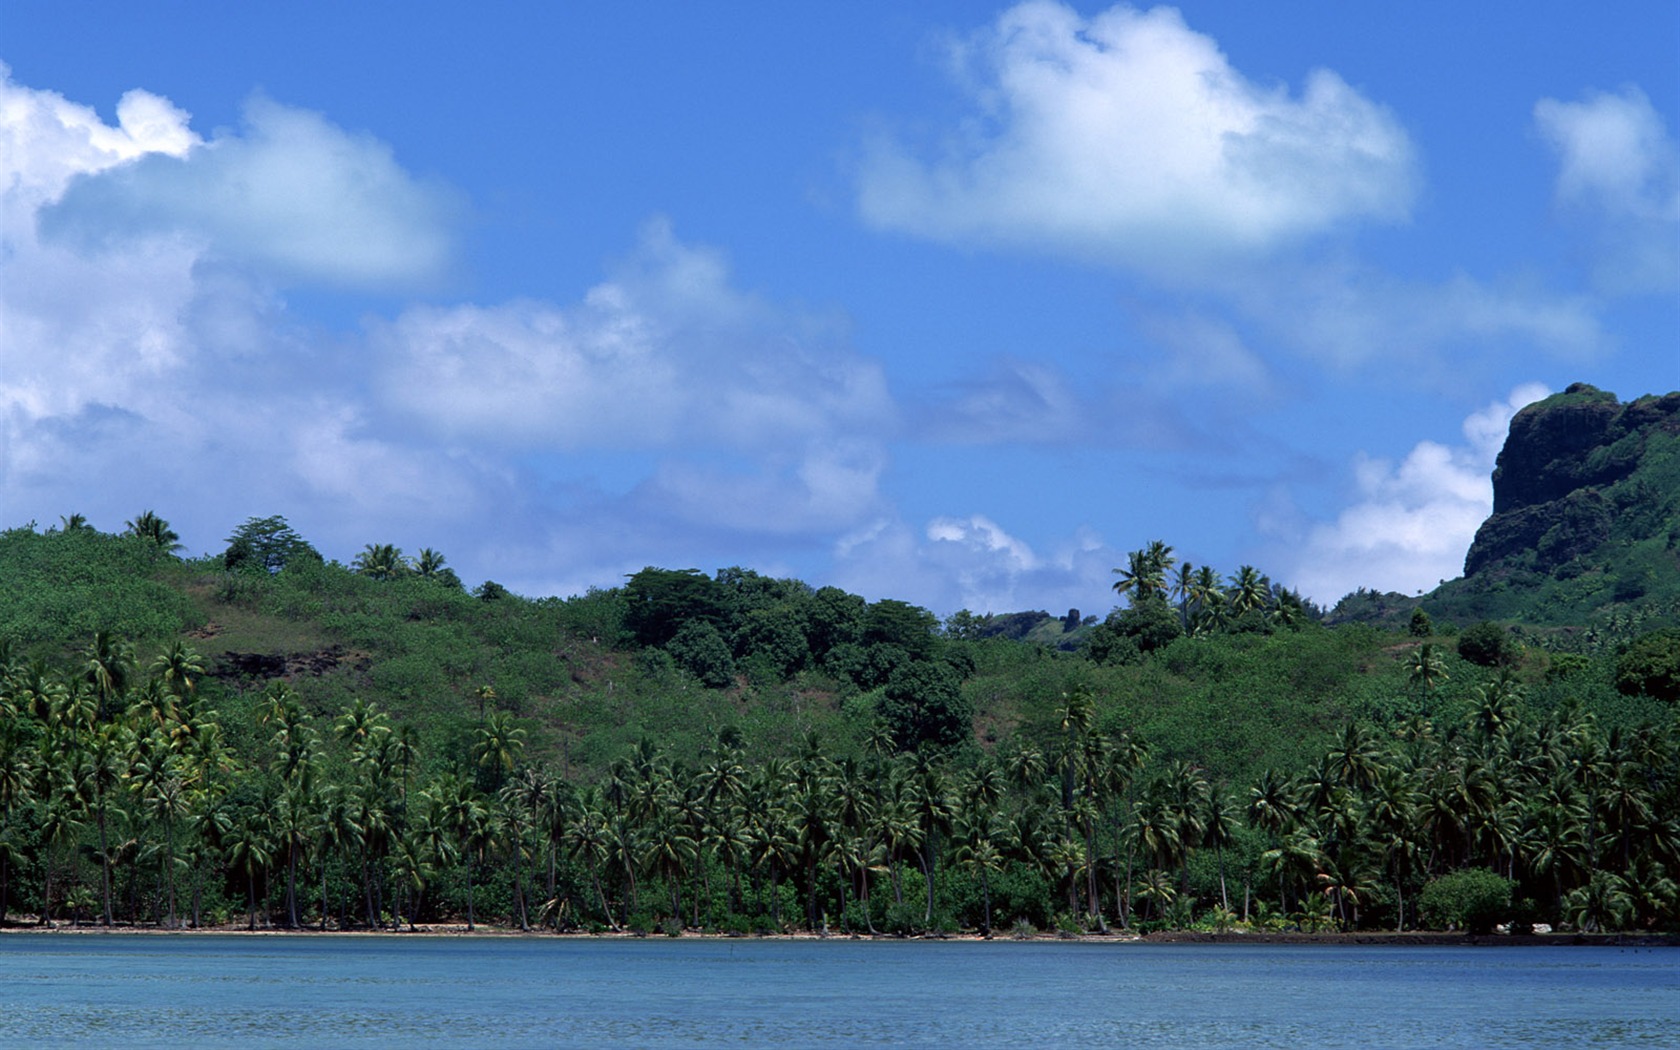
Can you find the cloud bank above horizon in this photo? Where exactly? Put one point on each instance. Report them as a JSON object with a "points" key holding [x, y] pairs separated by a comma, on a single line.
{"points": [[157, 330]]}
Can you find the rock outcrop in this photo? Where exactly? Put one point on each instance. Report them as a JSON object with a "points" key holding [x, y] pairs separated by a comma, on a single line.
{"points": [[1565, 482]]}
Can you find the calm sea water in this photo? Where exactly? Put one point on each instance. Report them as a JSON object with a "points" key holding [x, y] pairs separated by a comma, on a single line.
{"points": [[306, 991]]}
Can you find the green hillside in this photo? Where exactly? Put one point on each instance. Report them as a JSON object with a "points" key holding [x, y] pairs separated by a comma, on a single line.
{"points": [[266, 735]]}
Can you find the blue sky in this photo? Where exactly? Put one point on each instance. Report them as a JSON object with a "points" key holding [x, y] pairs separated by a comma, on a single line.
{"points": [[951, 302]]}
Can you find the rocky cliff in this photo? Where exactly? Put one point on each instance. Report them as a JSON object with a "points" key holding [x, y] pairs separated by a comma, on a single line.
{"points": [[1579, 469]]}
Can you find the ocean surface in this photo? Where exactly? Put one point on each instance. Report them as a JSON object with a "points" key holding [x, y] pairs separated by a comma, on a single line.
{"points": [[417, 991]]}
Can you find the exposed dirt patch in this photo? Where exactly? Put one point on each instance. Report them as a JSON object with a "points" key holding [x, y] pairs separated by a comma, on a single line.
{"points": [[264, 666]]}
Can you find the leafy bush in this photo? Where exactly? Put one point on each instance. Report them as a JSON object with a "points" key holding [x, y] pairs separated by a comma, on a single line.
{"points": [[1652, 666], [700, 650], [1474, 899], [1487, 645]]}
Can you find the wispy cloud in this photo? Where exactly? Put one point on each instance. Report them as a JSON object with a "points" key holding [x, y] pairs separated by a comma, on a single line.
{"points": [[1130, 138], [1619, 174]]}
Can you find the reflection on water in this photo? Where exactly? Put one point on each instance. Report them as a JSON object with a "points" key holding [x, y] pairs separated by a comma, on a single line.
{"points": [[299, 991]]}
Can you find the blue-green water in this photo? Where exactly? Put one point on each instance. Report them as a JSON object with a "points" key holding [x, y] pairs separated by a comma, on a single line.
{"points": [[302, 991]]}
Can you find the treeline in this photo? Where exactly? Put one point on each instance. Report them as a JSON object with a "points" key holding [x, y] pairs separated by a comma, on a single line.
{"points": [[121, 801], [740, 753]]}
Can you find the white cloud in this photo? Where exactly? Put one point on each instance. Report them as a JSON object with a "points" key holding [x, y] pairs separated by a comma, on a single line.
{"points": [[1013, 402], [1206, 352], [147, 360], [47, 140], [1353, 317], [288, 193], [1412, 521], [974, 563], [1130, 138], [664, 353], [1620, 167]]}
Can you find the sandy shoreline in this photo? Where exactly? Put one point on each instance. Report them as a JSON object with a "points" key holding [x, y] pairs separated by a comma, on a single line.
{"points": [[454, 930]]}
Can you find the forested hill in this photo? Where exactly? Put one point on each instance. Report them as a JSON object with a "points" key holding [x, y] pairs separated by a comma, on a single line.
{"points": [[225, 735]]}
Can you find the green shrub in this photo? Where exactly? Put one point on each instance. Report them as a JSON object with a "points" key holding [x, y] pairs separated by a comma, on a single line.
{"points": [[1487, 645], [1474, 899], [1652, 666]]}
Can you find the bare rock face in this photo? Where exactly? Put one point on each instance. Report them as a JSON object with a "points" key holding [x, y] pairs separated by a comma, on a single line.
{"points": [[1549, 488]]}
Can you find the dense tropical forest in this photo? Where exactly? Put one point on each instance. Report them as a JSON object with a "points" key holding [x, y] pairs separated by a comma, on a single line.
{"points": [[267, 738]]}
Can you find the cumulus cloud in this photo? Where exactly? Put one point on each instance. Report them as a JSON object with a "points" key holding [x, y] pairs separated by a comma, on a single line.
{"points": [[287, 193], [1619, 170], [47, 140], [1411, 521], [666, 351], [141, 328], [1130, 138], [971, 562]]}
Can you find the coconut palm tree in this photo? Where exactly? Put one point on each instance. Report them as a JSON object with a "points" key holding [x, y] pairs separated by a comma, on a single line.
{"points": [[380, 561], [498, 747], [149, 526], [108, 665], [105, 764], [250, 852], [1427, 667], [1145, 575], [1249, 591]]}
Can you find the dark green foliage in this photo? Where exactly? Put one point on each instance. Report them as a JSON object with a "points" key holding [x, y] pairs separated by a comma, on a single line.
{"points": [[1149, 622], [867, 667], [909, 627], [658, 602], [1106, 645], [833, 618], [776, 637], [1421, 626], [699, 649], [1651, 666], [266, 545], [923, 704], [1475, 900], [1488, 644]]}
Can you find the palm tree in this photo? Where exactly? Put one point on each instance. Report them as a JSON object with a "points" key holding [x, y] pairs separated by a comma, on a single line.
{"points": [[498, 747], [1355, 759], [249, 852], [463, 813], [1249, 591], [105, 766], [1184, 589], [1219, 823], [380, 561], [983, 858], [589, 838], [109, 663], [59, 828], [1427, 666], [429, 564], [149, 526], [166, 798], [180, 668], [1145, 575]]}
